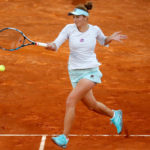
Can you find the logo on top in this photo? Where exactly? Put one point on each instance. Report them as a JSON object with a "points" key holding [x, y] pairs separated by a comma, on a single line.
{"points": [[81, 40]]}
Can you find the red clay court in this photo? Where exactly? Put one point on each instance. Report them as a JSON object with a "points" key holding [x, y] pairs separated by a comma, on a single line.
{"points": [[35, 84]]}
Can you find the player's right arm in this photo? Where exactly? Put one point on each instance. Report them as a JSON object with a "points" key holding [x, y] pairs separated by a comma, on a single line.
{"points": [[62, 37], [51, 46]]}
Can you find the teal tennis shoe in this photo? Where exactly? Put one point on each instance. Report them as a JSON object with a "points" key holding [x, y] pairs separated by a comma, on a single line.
{"points": [[117, 120], [60, 140]]}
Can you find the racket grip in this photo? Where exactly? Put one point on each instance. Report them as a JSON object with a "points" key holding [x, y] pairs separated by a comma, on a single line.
{"points": [[41, 44]]}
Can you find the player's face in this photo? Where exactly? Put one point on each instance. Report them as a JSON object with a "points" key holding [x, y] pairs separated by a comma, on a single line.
{"points": [[80, 20]]}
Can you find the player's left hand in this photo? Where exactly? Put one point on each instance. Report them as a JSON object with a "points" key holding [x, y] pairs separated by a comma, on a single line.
{"points": [[118, 37]]}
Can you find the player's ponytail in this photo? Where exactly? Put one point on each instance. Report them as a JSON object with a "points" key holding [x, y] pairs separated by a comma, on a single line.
{"points": [[89, 5], [86, 7]]}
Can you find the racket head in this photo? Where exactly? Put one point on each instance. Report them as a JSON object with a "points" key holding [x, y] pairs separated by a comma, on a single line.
{"points": [[13, 39]]}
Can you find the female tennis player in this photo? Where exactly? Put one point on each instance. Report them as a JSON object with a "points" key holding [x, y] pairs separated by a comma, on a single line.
{"points": [[83, 68]]}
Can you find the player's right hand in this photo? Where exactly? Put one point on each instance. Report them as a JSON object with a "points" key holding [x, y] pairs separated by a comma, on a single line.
{"points": [[51, 46]]}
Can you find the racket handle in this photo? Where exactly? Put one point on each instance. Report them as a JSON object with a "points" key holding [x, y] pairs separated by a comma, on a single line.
{"points": [[41, 44]]}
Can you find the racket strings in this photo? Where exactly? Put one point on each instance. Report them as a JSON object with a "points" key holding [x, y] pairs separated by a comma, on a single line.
{"points": [[11, 39]]}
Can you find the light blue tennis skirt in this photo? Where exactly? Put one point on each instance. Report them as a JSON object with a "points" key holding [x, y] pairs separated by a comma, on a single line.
{"points": [[92, 74]]}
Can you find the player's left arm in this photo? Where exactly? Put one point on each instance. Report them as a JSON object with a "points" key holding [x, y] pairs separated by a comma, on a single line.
{"points": [[116, 36]]}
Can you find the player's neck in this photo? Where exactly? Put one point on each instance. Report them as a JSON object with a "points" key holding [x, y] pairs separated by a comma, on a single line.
{"points": [[83, 28]]}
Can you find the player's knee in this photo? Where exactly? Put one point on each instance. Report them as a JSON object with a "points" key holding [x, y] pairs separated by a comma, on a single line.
{"points": [[92, 107], [70, 102]]}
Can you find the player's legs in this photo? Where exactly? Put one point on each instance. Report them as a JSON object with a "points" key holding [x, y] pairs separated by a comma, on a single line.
{"points": [[116, 115], [83, 86], [90, 101]]}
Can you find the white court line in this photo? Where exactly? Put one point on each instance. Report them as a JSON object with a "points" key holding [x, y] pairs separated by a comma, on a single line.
{"points": [[42, 142], [80, 135]]}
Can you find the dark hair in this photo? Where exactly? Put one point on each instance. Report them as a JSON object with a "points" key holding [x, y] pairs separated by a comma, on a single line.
{"points": [[86, 7]]}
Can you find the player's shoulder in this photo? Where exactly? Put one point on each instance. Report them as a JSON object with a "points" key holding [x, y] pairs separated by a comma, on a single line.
{"points": [[70, 26], [95, 27]]}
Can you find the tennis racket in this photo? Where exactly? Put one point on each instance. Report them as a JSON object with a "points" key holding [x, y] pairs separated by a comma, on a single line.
{"points": [[13, 39]]}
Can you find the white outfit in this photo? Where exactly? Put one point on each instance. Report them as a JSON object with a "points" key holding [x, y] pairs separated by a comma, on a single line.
{"points": [[82, 45]]}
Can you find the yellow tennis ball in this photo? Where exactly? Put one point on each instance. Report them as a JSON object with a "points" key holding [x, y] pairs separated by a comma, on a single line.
{"points": [[2, 68]]}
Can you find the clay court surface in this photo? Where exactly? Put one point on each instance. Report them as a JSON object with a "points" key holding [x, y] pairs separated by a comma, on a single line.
{"points": [[35, 85]]}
